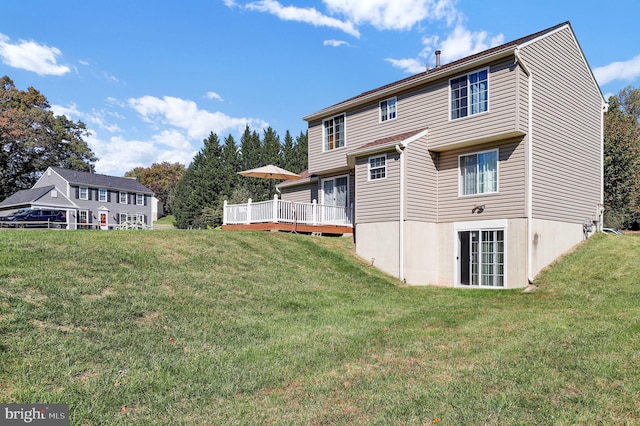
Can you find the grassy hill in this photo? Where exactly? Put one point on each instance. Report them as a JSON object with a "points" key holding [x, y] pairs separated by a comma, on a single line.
{"points": [[213, 327]]}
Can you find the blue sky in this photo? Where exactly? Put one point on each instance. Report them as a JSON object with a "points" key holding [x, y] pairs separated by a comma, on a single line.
{"points": [[152, 78]]}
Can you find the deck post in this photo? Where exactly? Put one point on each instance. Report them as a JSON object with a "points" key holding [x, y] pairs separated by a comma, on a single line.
{"points": [[314, 212], [249, 211], [275, 208], [224, 212]]}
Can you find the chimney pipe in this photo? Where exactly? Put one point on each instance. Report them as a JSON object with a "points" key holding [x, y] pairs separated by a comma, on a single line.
{"points": [[438, 58]]}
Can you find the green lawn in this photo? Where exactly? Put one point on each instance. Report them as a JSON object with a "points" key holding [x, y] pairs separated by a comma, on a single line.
{"points": [[215, 327]]}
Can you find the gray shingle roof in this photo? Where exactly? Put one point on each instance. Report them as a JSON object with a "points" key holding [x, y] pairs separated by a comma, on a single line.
{"points": [[26, 196], [102, 181]]}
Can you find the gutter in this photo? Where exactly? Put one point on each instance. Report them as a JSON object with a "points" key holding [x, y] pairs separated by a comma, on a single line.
{"points": [[400, 149], [529, 207]]}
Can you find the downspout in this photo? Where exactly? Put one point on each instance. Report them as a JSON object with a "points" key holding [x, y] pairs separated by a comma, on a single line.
{"points": [[400, 150], [529, 159]]}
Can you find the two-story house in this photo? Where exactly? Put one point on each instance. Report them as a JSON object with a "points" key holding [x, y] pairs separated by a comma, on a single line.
{"points": [[89, 199], [475, 173]]}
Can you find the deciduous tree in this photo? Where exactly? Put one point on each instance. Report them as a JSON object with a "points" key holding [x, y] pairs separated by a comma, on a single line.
{"points": [[161, 178], [32, 138]]}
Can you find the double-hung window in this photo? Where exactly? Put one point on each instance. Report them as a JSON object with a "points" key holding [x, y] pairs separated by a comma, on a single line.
{"points": [[102, 195], [334, 132], [469, 94], [479, 173], [140, 199], [83, 193], [378, 167], [388, 109], [123, 197]]}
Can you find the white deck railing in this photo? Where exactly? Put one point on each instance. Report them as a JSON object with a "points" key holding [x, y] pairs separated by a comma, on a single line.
{"points": [[280, 211]]}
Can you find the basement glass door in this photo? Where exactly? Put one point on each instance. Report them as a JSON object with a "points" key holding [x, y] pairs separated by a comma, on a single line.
{"points": [[481, 258]]}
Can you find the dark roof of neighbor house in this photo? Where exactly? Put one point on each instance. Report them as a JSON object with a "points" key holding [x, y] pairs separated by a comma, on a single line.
{"points": [[438, 71], [101, 181], [26, 196]]}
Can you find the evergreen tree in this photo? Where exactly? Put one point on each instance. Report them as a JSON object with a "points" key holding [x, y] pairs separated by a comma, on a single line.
{"points": [[250, 154], [300, 156], [288, 160], [197, 201], [271, 154], [230, 165]]}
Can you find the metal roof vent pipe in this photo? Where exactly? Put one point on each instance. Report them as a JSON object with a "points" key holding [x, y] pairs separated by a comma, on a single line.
{"points": [[438, 52]]}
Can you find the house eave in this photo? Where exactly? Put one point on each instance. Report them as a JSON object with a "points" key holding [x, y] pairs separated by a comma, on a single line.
{"points": [[426, 77]]}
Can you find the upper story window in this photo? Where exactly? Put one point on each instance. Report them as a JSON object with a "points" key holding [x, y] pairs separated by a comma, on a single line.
{"points": [[479, 173], [469, 94], [102, 195], [334, 132], [83, 193], [388, 109], [378, 167], [122, 197], [140, 199]]}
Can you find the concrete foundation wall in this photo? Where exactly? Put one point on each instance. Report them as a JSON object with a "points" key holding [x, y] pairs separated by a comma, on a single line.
{"points": [[551, 239]]}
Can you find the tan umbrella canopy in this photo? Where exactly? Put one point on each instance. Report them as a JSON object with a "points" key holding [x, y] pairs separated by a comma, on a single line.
{"points": [[270, 172]]}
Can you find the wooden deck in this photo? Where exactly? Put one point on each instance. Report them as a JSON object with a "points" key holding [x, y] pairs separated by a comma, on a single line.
{"points": [[290, 227]]}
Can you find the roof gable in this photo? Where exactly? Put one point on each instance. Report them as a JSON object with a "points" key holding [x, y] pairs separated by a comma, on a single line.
{"points": [[96, 180], [26, 196]]}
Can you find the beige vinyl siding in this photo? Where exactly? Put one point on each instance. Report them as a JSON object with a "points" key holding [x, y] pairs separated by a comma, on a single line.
{"points": [[378, 200], [427, 106], [301, 194], [508, 203], [421, 182], [500, 119], [522, 100], [567, 108]]}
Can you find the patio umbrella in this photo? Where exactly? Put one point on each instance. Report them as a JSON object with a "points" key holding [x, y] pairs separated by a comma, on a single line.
{"points": [[270, 172]]}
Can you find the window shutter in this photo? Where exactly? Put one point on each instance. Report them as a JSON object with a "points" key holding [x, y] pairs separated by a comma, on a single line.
{"points": [[145, 200], [77, 192], [90, 193], [108, 196]]}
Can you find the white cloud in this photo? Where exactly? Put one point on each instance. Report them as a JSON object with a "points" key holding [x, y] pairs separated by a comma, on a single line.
{"points": [[335, 43], [31, 56], [625, 71], [119, 155], [307, 15], [409, 65], [393, 14], [215, 96], [95, 117], [460, 43], [184, 114]]}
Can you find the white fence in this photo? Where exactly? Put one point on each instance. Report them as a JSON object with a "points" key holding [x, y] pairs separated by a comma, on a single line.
{"points": [[280, 211]]}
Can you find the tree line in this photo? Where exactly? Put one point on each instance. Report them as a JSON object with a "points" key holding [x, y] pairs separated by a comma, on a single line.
{"points": [[32, 138]]}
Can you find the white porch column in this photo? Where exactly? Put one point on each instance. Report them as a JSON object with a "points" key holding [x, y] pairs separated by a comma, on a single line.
{"points": [[224, 212], [314, 212], [275, 208]]}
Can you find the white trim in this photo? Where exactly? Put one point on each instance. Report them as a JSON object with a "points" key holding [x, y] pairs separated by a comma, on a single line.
{"points": [[138, 194], [480, 225], [488, 69], [344, 125], [374, 157], [86, 197], [126, 197], [395, 99], [106, 195], [497, 191], [333, 178]]}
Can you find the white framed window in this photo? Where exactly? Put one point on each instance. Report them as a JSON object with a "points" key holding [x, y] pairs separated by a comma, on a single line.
{"points": [[334, 132], [122, 217], [478, 173], [102, 195], [378, 167], [123, 197], [140, 199], [469, 94], [83, 193], [83, 216], [388, 109]]}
